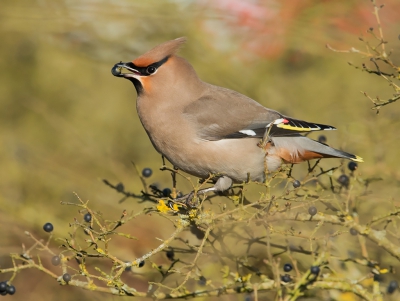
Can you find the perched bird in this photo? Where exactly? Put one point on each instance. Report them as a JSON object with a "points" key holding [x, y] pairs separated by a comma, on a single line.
{"points": [[206, 130]]}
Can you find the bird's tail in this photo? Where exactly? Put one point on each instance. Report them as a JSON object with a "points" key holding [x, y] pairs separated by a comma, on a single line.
{"points": [[296, 149]]}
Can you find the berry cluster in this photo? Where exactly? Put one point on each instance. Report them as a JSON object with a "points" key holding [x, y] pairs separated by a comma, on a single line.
{"points": [[6, 289]]}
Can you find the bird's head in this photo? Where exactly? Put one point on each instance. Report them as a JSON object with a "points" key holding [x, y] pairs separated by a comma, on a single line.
{"points": [[152, 70]]}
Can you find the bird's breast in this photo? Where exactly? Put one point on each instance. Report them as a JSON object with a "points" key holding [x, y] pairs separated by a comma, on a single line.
{"points": [[163, 124]]}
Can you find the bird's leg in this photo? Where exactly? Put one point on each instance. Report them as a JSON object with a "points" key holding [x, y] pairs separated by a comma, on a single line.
{"points": [[173, 174], [223, 184], [188, 199]]}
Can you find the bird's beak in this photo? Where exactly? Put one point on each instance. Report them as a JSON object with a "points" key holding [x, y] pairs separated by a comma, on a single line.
{"points": [[117, 70]]}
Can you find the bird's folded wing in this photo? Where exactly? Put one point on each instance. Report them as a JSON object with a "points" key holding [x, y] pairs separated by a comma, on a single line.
{"points": [[225, 114]]}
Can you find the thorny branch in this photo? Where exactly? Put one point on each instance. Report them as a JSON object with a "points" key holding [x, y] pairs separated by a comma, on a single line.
{"points": [[380, 58], [222, 230]]}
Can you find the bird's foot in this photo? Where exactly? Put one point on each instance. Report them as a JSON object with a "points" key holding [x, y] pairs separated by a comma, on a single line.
{"points": [[190, 200]]}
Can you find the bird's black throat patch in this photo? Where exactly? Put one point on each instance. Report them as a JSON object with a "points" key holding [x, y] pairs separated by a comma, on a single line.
{"points": [[137, 84]]}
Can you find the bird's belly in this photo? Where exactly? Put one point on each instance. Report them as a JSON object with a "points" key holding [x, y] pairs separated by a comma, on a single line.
{"points": [[235, 158]]}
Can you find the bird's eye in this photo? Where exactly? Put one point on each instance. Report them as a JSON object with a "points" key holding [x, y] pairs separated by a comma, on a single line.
{"points": [[151, 69]]}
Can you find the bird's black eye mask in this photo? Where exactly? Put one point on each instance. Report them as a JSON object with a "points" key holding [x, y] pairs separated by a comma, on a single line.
{"points": [[132, 68]]}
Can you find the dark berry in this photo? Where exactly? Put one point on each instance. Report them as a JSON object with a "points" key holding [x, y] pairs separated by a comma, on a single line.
{"points": [[393, 285], [56, 260], [166, 192], [352, 165], [296, 184], [170, 255], [312, 211], [147, 172], [286, 278], [3, 286], [315, 270], [120, 187], [322, 139], [202, 280], [67, 277], [344, 180], [87, 217], [353, 231], [48, 227], [3, 293], [141, 264], [287, 267], [11, 289]]}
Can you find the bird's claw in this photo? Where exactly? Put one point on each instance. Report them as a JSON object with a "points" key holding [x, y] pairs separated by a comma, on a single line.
{"points": [[188, 200]]}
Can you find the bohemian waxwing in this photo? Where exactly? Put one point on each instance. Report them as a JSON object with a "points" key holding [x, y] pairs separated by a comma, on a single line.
{"points": [[206, 130]]}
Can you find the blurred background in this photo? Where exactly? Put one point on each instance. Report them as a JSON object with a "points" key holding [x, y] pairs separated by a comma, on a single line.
{"points": [[66, 123]]}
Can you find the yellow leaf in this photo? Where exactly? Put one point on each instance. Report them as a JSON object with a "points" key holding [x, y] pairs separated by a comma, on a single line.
{"points": [[92, 286], [83, 269], [367, 282], [348, 297], [246, 278], [193, 213], [235, 199], [162, 207], [101, 251]]}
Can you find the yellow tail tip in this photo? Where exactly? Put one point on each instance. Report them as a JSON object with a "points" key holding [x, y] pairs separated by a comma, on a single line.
{"points": [[357, 159]]}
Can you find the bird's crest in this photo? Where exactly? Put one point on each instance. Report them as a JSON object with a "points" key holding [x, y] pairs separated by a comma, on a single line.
{"points": [[159, 52]]}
